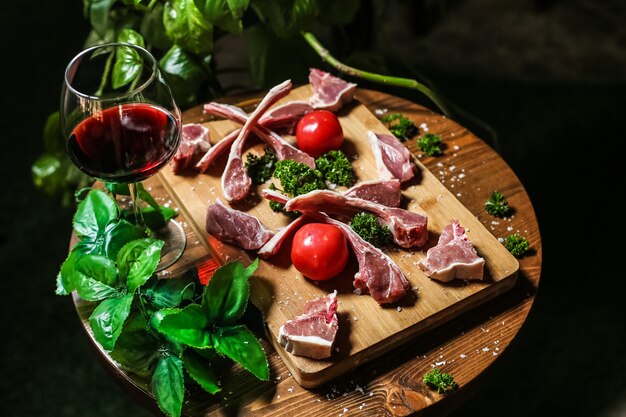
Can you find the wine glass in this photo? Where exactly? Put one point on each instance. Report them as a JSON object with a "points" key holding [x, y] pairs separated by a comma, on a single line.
{"points": [[122, 125]]}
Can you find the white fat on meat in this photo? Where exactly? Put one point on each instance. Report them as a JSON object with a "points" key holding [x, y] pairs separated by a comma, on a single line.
{"points": [[378, 274], [236, 227], [285, 117], [382, 191], [236, 182], [329, 92], [454, 256], [393, 159], [273, 245], [408, 229], [313, 333], [194, 144]]}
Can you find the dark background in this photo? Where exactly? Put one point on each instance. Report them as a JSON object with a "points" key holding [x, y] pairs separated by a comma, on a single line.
{"points": [[549, 76]]}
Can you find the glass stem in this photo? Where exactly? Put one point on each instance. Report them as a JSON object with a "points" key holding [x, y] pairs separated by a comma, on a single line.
{"points": [[134, 195]]}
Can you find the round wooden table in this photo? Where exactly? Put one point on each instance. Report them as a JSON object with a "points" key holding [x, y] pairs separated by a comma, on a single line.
{"points": [[392, 384]]}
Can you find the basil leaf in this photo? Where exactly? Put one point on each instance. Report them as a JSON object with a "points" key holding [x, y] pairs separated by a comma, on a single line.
{"points": [[108, 318], [95, 277], [237, 7], [218, 13], [188, 326], [93, 214], [287, 18], [136, 349], [66, 278], [169, 293], [186, 26], [184, 74], [240, 344], [119, 234], [138, 260], [128, 62], [153, 30], [99, 268], [168, 385], [199, 369], [226, 296], [99, 15]]}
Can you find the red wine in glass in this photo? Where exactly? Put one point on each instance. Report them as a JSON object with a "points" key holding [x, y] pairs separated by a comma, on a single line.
{"points": [[121, 124], [126, 143]]}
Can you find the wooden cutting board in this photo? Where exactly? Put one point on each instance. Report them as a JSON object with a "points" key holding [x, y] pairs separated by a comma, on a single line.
{"points": [[366, 330]]}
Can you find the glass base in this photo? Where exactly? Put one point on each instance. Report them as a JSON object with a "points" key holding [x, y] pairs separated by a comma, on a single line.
{"points": [[175, 241]]}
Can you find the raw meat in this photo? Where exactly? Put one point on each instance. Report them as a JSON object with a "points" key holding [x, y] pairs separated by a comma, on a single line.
{"points": [[235, 181], [385, 192], [454, 256], [378, 274], [194, 144], [393, 159], [272, 246], [217, 150], [236, 227], [329, 92], [286, 116], [282, 148], [409, 229], [313, 333]]}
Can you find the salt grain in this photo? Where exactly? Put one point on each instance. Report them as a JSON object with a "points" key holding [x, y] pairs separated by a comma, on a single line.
{"points": [[399, 308]]}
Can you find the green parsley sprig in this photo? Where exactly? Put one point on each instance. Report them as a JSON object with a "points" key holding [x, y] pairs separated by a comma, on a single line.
{"points": [[369, 228], [441, 381], [261, 168], [497, 205], [336, 168], [516, 244], [400, 126], [430, 144]]}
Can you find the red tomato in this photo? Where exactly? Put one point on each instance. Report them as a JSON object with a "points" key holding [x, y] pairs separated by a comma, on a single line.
{"points": [[319, 251], [319, 132]]}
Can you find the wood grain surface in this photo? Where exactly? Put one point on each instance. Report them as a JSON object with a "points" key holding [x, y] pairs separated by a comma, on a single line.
{"points": [[391, 384], [366, 329]]}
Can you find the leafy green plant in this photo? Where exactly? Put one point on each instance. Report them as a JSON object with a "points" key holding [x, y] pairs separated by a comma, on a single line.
{"points": [[369, 228], [441, 381], [261, 168], [336, 168], [160, 329], [401, 127], [497, 205], [430, 144], [516, 244], [182, 34]]}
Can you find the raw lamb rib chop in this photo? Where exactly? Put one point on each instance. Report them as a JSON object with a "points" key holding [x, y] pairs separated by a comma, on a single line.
{"points": [[378, 274], [272, 246], [235, 181], [393, 159], [236, 227], [194, 144], [385, 192], [329, 92], [453, 257], [312, 334], [409, 229]]}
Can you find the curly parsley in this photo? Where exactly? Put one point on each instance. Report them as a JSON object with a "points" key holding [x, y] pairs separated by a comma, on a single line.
{"points": [[336, 168], [369, 228], [497, 205], [442, 381], [261, 168], [430, 144], [400, 126], [516, 244]]}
